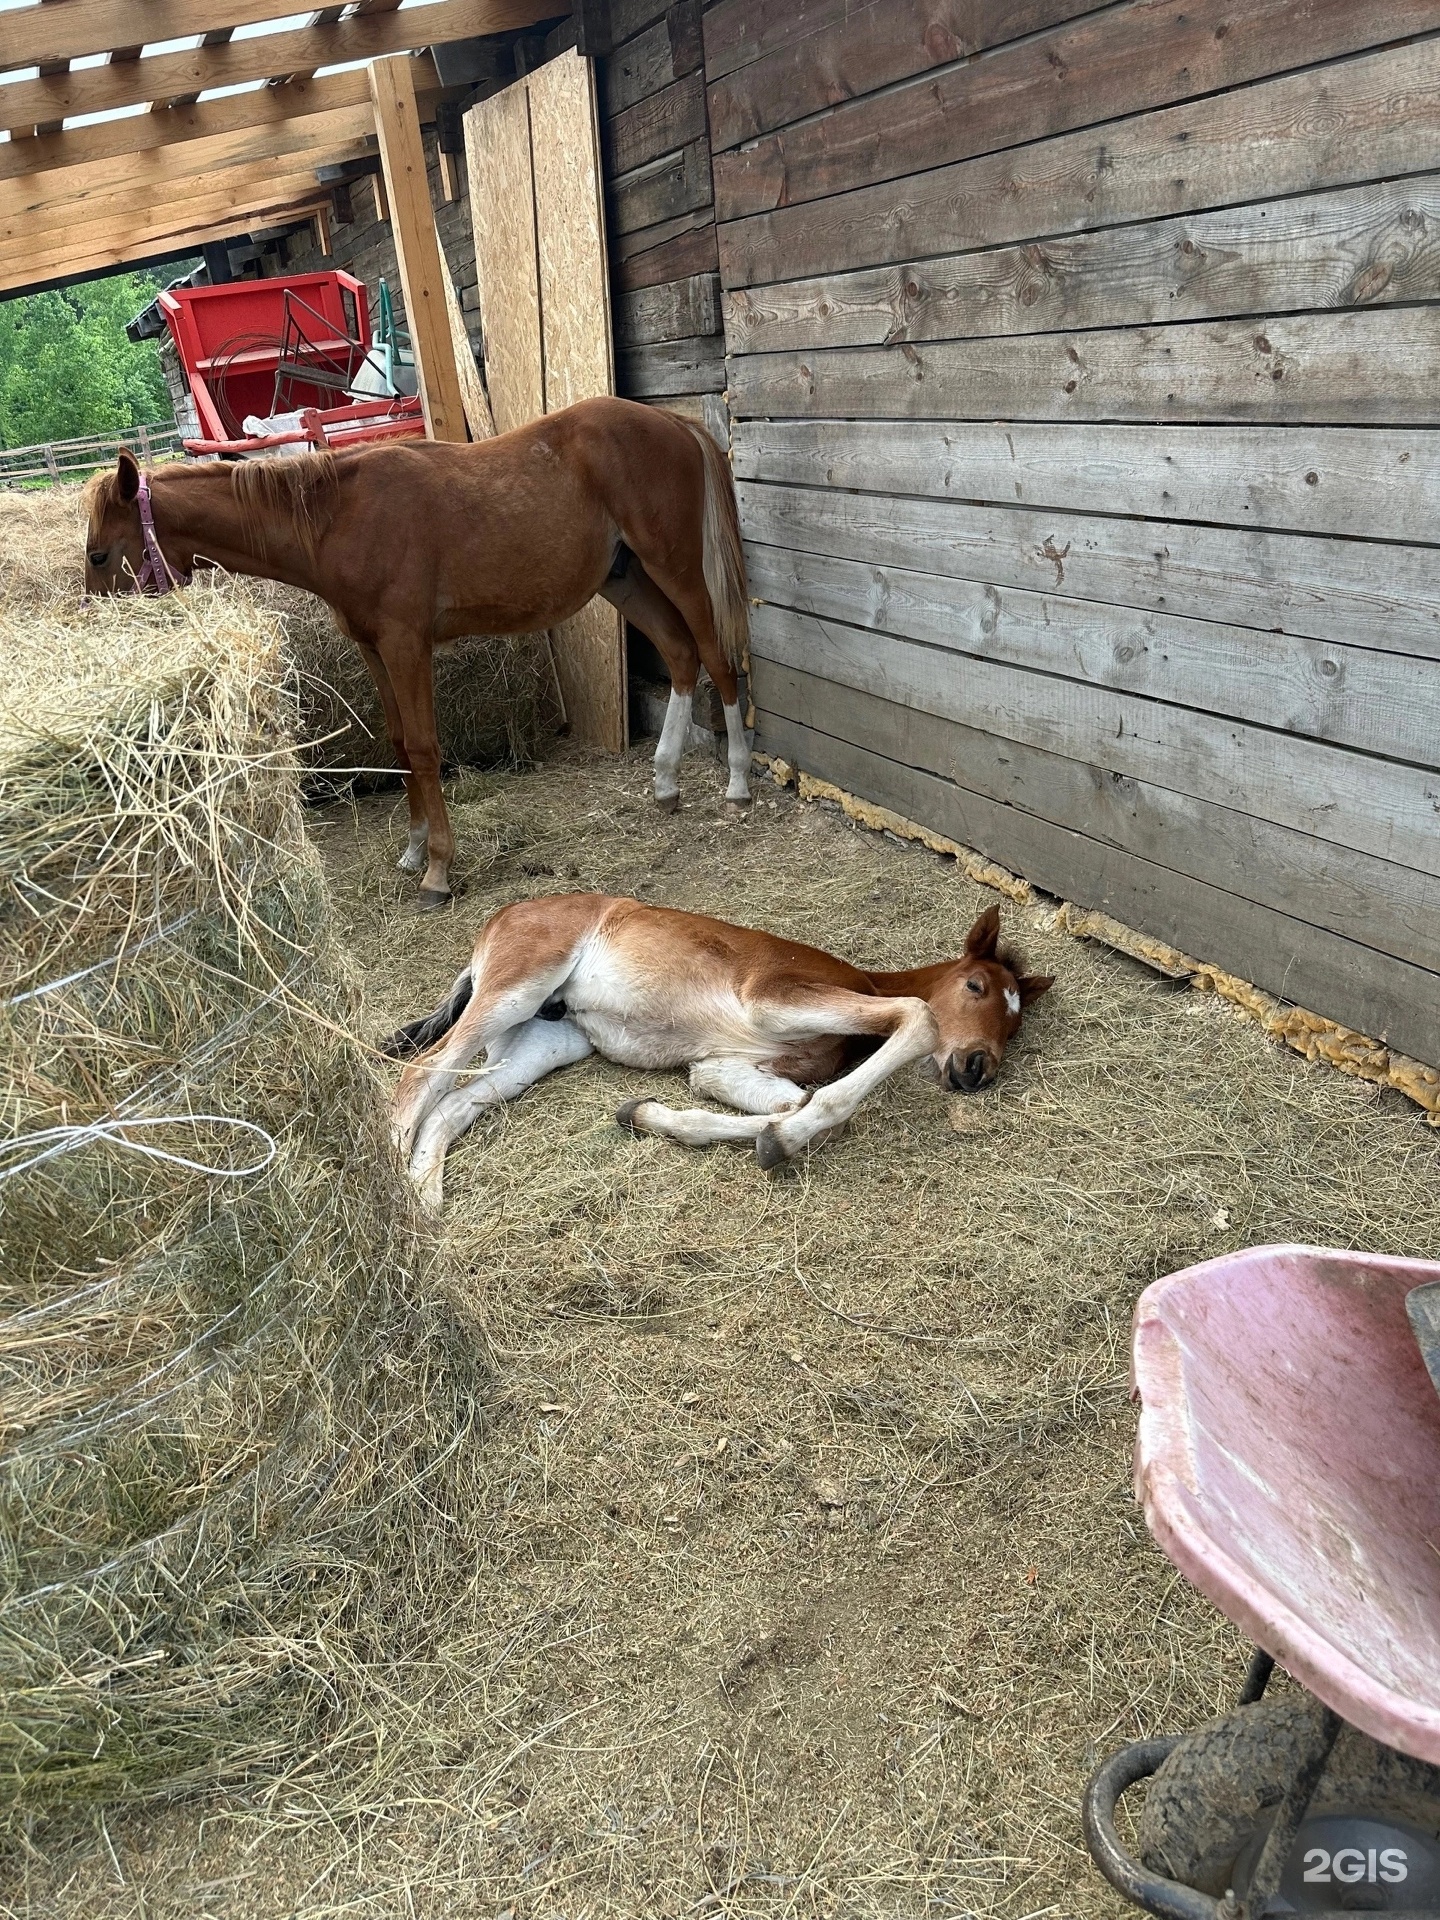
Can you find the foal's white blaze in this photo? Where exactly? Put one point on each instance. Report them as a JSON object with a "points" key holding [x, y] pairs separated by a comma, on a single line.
{"points": [[672, 745], [739, 755], [1012, 999]]}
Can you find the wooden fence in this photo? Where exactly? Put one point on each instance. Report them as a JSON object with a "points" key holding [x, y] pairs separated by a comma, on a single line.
{"points": [[61, 460]]}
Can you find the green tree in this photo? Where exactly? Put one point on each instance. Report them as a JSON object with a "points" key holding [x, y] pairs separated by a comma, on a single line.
{"points": [[67, 369]]}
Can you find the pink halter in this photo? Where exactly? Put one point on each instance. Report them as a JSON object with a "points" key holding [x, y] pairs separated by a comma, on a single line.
{"points": [[156, 574]]}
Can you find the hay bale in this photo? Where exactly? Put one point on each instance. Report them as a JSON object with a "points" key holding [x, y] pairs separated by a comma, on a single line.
{"points": [[494, 696], [227, 1413]]}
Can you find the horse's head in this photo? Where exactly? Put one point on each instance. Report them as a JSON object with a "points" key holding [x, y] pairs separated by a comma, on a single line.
{"points": [[115, 541], [977, 1004]]}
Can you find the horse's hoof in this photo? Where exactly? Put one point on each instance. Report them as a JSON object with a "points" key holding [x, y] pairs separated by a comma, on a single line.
{"points": [[432, 900], [737, 801], [625, 1116], [667, 802], [768, 1150]]}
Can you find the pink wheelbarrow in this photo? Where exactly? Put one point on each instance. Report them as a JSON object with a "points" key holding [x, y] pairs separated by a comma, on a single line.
{"points": [[1288, 1461]]}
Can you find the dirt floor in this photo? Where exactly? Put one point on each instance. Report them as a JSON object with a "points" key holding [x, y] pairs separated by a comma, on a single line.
{"points": [[807, 1578]]}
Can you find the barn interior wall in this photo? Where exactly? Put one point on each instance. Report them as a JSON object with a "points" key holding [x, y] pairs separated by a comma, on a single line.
{"points": [[1082, 372], [660, 211]]}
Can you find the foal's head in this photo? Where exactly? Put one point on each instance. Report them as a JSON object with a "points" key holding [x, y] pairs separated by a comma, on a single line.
{"points": [[114, 542], [977, 1003]]}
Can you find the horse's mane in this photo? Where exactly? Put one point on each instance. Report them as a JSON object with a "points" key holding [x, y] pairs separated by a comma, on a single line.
{"points": [[301, 488], [1012, 959]]}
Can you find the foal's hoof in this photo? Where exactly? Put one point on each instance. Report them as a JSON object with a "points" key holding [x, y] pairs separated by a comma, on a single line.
{"points": [[667, 802], [768, 1150], [432, 900], [625, 1116]]}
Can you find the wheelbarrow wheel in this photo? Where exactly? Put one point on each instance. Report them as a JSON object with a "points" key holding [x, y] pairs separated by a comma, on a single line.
{"points": [[1222, 1784]]}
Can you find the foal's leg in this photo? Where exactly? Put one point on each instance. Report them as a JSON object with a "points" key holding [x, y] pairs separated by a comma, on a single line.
{"points": [[515, 1061], [636, 595], [744, 1085], [406, 659], [912, 1033], [513, 980], [739, 1083], [692, 599], [413, 858]]}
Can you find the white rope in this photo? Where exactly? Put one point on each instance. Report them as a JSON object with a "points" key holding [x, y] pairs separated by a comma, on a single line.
{"points": [[58, 1140], [126, 953]]}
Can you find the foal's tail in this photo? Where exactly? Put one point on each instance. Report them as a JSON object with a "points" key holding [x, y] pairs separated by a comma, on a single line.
{"points": [[724, 559], [430, 1027]]}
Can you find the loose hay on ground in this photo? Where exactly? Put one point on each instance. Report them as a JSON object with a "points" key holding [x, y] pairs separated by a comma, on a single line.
{"points": [[807, 1575], [495, 698], [225, 1401]]}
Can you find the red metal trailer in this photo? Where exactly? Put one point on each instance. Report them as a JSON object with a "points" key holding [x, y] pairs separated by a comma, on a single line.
{"points": [[259, 352]]}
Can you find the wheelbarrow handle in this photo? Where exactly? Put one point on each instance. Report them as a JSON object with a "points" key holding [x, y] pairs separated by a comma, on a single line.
{"points": [[1168, 1899]]}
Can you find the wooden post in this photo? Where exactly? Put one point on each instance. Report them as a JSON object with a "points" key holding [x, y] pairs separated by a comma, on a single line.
{"points": [[412, 220], [377, 194], [320, 221]]}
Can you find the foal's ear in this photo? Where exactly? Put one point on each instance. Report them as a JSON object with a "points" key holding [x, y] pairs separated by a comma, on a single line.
{"points": [[982, 937], [127, 477], [1033, 985]]}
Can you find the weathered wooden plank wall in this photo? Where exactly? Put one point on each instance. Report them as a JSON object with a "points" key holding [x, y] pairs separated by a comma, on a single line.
{"points": [[1083, 372], [670, 346]]}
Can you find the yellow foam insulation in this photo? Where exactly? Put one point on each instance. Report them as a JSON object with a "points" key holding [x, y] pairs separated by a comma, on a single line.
{"points": [[1308, 1033]]}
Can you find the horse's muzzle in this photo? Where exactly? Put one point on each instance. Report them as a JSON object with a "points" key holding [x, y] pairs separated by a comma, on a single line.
{"points": [[971, 1073]]}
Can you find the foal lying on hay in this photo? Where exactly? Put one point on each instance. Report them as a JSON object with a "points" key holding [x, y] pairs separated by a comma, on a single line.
{"points": [[791, 1036]]}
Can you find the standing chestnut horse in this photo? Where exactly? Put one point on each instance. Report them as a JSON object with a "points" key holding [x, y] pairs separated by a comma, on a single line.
{"points": [[414, 543]]}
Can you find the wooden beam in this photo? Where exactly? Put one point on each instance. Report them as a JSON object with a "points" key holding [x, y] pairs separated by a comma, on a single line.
{"points": [[422, 270], [316, 134], [169, 126], [33, 36], [173, 202], [57, 255], [174, 76]]}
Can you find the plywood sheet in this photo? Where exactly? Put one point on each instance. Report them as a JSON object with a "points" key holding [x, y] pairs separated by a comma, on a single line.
{"points": [[502, 206], [577, 349]]}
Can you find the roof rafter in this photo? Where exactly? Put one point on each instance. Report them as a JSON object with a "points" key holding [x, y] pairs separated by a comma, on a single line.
{"points": [[171, 126], [70, 29], [109, 248], [174, 76], [169, 169], [173, 198]]}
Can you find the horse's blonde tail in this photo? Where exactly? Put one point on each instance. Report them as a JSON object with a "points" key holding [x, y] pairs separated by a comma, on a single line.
{"points": [[724, 558]]}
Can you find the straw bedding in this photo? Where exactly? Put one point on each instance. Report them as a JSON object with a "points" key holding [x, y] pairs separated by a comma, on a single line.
{"points": [[224, 1401], [798, 1573], [806, 1575]]}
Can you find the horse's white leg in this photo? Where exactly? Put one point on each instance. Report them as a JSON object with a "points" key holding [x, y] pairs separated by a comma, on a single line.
{"points": [[739, 1083], [742, 1084], [912, 1036], [515, 1061], [738, 790], [694, 1127], [413, 859], [672, 744], [490, 1016]]}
